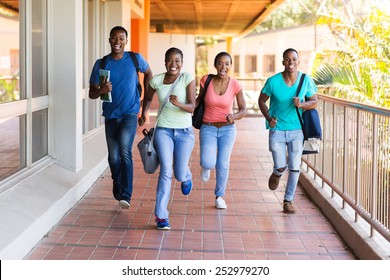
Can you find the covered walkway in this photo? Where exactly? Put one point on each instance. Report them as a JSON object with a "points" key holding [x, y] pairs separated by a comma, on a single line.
{"points": [[253, 227]]}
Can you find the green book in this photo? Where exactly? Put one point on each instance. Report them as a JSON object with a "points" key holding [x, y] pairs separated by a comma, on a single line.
{"points": [[106, 97]]}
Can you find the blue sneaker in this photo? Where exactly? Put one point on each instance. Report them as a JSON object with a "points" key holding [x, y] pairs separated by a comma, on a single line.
{"points": [[186, 187], [162, 223]]}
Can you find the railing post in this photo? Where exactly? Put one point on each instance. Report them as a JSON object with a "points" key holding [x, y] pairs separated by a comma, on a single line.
{"points": [[374, 177], [334, 146], [345, 154], [358, 160]]}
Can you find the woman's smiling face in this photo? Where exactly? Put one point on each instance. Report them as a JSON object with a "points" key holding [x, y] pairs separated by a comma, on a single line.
{"points": [[223, 65], [174, 63]]}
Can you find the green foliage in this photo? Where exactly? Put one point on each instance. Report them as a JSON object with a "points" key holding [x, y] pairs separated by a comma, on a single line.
{"points": [[290, 13], [8, 90], [359, 68]]}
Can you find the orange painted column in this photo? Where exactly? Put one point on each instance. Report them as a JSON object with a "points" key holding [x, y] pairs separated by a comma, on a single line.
{"points": [[140, 29], [229, 44]]}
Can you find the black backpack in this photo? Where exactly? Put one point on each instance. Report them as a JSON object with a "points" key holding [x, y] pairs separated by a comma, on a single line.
{"points": [[135, 61]]}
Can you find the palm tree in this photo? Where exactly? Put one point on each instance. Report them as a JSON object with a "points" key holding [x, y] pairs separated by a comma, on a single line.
{"points": [[359, 68]]}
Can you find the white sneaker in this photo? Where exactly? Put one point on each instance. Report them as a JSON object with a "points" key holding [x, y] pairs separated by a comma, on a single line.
{"points": [[124, 204], [205, 174], [220, 203]]}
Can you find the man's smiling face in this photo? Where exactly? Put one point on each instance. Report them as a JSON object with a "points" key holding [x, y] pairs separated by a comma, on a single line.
{"points": [[118, 41]]}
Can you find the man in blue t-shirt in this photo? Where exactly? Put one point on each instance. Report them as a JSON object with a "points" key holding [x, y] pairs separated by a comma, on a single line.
{"points": [[283, 123], [120, 89]]}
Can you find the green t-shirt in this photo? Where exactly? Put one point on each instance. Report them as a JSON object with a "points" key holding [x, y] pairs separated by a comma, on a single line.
{"points": [[281, 100], [172, 116]]}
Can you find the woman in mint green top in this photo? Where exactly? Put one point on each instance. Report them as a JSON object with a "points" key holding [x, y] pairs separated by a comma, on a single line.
{"points": [[174, 138]]}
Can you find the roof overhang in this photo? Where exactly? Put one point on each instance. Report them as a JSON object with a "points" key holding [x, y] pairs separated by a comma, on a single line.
{"points": [[225, 18]]}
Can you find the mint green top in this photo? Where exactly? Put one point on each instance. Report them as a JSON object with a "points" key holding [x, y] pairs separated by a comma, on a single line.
{"points": [[172, 116]]}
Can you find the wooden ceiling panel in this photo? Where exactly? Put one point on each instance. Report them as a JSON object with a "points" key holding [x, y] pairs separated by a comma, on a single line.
{"points": [[234, 18], [12, 5], [209, 17]]}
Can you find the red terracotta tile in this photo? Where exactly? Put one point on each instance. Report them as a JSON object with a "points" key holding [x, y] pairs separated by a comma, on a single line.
{"points": [[81, 253], [103, 253], [253, 227], [125, 254]]}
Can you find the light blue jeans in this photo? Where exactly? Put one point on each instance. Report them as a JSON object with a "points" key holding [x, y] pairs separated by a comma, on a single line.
{"points": [[278, 142], [174, 148], [216, 145], [120, 134]]}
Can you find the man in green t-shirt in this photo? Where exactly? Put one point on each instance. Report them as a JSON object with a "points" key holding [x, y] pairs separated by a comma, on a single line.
{"points": [[283, 123]]}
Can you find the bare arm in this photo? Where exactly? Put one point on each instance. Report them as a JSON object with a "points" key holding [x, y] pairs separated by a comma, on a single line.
{"points": [[310, 103], [146, 104], [189, 106], [241, 108], [263, 98], [96, 90], [148, 75]]}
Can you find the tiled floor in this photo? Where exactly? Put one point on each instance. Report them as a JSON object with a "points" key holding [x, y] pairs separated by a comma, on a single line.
{"points": [[252, 227]]}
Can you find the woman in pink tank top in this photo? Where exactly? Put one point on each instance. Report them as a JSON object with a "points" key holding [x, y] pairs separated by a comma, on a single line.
{"points": [[218, 131]]}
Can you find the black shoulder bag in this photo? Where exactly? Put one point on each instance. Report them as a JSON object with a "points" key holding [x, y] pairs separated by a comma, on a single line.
{"points": [[197, 116], [311, 127]]}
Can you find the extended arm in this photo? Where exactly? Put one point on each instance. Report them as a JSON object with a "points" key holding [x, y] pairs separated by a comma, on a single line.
{"points": [[241, 108], [263, 98], [146, 104], [148, 75]]}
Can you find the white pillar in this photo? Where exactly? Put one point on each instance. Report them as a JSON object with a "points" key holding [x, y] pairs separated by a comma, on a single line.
{"points": [[65, 88]]}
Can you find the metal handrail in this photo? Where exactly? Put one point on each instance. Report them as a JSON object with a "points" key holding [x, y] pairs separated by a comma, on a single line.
{"points": [[354, 161]]}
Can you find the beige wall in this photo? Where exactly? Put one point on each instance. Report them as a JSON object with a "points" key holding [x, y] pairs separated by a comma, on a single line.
{"points": [[159, 43], [274, 43]]}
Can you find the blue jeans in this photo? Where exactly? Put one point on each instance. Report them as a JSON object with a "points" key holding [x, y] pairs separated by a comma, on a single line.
{"points": [[174, 148], [293, 140], [216, 145], [120, 134]]}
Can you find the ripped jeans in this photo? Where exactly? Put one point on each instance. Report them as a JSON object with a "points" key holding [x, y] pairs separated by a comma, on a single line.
{"points": [[278, 142]]}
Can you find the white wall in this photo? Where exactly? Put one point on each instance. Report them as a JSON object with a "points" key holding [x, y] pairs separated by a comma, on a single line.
{"points": [[9, 34], [301, 38], [159, 43], [65, 82]]}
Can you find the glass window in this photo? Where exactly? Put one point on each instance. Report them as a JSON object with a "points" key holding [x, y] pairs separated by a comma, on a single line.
{"points": [[268, 65], [12, 145], [39, 135], [38, 48], [236, 65], [20, 144], [250, 64], [9, 55]]}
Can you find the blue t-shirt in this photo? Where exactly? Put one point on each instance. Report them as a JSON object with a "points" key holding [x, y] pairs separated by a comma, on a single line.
{"points": [[124, 79], [281, 100]]}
